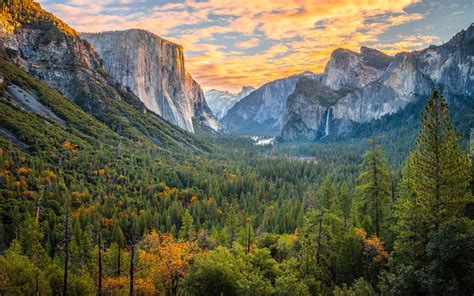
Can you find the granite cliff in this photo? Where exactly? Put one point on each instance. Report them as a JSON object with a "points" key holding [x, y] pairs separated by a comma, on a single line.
{"points": [[154, 70], [50, 50]]}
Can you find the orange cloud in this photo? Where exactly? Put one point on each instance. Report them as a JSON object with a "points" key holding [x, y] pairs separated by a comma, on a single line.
{"points": [[292, 36]]}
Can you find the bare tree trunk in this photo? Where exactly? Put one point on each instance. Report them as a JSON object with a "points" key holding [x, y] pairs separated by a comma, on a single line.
{"points": [[99, 290], [118, 260], [320, 233], [132, 257], [66, 248]]}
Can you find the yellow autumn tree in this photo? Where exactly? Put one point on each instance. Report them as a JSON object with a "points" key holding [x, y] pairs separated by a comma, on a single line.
{"points": [[374, 254], [167, 258]]}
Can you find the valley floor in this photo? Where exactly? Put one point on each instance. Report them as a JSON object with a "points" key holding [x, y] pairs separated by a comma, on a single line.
{"points": [[223, 215]]}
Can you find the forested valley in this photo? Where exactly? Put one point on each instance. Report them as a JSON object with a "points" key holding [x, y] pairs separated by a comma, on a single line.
{"points": [[381, 216]]}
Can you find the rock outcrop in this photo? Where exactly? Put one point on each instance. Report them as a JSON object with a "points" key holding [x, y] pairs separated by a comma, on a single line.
{"points": [[221, 101], [154, 69], [50, 50], [261, 112], [348, 69], [365, 86], [309, 110]]}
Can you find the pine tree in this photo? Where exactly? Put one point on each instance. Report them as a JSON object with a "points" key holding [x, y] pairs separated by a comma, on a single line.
{"points": [[30, 237], [326, 194], [187, 227], [437, 170], [344, 204], [66, 247], [433, 193], [231, 226], [99, 259], [374, 183]]}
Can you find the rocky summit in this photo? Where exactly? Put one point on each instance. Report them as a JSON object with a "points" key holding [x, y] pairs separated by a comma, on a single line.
{"points": [[154, 69]]}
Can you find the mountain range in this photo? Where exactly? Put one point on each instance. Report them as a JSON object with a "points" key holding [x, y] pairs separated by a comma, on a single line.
{"points": [[136, 84], [261, 111], [361, 87], [355, 87]]}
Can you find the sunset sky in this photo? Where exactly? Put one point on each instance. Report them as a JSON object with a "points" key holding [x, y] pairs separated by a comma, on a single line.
{"points": [[231, 43]]}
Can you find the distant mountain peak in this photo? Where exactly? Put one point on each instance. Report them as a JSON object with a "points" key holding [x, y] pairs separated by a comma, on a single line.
{"points": [[464, 40], [375, 58], [261, 112], [247, 88], [369, 50], [220, 101], [361, 87]]}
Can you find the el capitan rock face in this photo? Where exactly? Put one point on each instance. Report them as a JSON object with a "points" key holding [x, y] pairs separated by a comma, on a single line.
{"points": [[221, 101], [153, 68], [365, 86], [262, 111]]}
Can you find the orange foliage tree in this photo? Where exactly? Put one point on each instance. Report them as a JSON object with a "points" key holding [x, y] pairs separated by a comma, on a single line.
{"points": [[374, 254], [167, 258]]}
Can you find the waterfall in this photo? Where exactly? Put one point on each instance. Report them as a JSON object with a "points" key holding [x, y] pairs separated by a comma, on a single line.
{"points": [[326, 130]]}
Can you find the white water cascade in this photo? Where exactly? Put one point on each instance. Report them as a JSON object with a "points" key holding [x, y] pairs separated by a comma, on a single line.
{"points": [[326, 129]]}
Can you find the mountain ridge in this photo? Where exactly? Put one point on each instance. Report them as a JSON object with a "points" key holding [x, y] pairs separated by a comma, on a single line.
{"points": [[261, 111]]}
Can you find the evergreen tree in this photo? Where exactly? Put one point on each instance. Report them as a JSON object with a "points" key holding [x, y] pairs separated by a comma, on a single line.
{"points": [[433, 193], [66, 240], [437, 170], [345, 204], [187, 226], [231, 226], [373, 190]]}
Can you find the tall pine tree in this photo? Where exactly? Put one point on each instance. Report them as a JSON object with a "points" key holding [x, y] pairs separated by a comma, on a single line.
{"points": [[374, 187], [433, 194], [437, 170]]}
